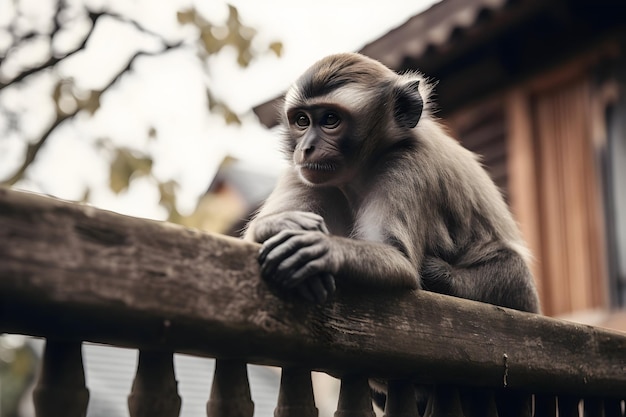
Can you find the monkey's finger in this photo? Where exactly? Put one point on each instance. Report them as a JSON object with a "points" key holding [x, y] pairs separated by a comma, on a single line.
{"points": [[311, 269], [285, 269], [317, 289], [323, 228], [272, 242], [302, 220], [305, 292], [300, 246], [274, 251], [328, 281]]}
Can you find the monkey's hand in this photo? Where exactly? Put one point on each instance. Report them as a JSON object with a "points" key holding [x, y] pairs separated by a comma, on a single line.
{"points": [[300, 260], [268, 226]]}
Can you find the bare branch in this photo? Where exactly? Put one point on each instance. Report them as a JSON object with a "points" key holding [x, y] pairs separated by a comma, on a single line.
{"points": [[34, 148], [55, 60], [93, 16]]}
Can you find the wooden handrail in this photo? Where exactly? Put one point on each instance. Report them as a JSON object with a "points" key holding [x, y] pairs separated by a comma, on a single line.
{"points": [[72, 272]]}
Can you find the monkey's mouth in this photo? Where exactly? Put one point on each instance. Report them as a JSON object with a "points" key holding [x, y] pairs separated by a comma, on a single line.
{"points": [[319, 166], [318, 172]]}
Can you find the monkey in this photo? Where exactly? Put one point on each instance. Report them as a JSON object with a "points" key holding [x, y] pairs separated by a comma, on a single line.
{"points": [[378, 194]]}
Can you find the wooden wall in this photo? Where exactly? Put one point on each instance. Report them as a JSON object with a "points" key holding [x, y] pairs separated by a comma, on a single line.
{"points": [[572, 243], [537, 144]]}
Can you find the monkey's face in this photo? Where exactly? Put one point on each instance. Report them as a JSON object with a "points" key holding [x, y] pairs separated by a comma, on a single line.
{"points": [[321, 135], [343, 111]]}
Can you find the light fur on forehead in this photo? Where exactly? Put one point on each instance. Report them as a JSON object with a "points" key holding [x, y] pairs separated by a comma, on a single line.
{"points": [[351, 96], [361, 75], [292, 98]]}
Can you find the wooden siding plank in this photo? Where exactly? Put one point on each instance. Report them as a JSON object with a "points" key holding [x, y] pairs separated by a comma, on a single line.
{"points": [[568, 185]]}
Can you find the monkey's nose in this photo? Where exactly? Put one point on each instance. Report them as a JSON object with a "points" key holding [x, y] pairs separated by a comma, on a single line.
{"points": [[308, 150]]}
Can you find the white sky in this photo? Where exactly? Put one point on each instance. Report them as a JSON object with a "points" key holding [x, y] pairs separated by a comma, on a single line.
{"points": [[168, 93]]}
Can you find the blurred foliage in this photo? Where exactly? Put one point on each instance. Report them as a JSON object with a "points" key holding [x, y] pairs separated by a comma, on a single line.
{"points": [[17, 372], [23, 31], [27, 34], [68, 99]]}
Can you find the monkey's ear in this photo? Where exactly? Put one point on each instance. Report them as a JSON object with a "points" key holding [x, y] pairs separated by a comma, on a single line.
{"points": [[408, 104]]}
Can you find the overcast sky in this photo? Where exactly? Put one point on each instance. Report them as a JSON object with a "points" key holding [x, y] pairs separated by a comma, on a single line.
{"points": [[170, 95]]}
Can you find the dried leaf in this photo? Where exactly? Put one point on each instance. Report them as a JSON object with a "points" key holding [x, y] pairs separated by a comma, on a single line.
{"points": [[231, 118], [186, 16], [64, 100], [167, 190], [92, 103], [125, 167], [277, 48], [211, 44]]}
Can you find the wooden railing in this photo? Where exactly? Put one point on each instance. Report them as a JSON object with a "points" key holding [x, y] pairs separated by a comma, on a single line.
{"points": [[71, 273]]}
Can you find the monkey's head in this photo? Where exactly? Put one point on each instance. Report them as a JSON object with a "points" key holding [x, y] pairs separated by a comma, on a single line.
{"points": [[345, 110]]}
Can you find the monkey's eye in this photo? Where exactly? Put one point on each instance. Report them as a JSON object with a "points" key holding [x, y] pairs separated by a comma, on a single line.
{"points": [[302, 120], [330, 120]]}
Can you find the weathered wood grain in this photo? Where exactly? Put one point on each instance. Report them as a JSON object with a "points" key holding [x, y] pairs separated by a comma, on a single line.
{"points": [[74, 272]]}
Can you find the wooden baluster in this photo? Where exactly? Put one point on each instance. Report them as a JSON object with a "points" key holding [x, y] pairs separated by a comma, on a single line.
{"points": [[568, 406], [155, 390], [545, 406], [354, 398], [444, 401], [230, 392], [401, 401], [478, 402], [514, 404], [295, 398], [613, 408], [593, 407], [61, 390]]}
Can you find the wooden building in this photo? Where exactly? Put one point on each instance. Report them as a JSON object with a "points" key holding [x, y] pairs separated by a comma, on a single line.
{"points": [[538, 87]]}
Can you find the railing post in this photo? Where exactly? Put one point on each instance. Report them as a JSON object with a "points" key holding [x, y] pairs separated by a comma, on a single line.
{"points": [[613, 408], [593, 407], [295, 398], [568, 406], [155, 390], [61, 390], [478, 402], [354, 398], [401, 400], [514, 403], [230, 392], [444, 401], [545, 406]]}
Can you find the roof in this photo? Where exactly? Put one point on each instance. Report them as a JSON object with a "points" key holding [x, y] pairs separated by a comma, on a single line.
{"points": [[422, 33], [430, 29], [476, 46]]}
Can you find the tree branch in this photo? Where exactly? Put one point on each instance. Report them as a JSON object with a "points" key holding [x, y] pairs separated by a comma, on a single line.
{"points": [[52, 61], [34, 148], [93, 16]]}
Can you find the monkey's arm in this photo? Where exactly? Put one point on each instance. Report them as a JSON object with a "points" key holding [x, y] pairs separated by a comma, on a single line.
{"points": [[497, 274], [266, 226], [294, 256], [383, 250]]}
